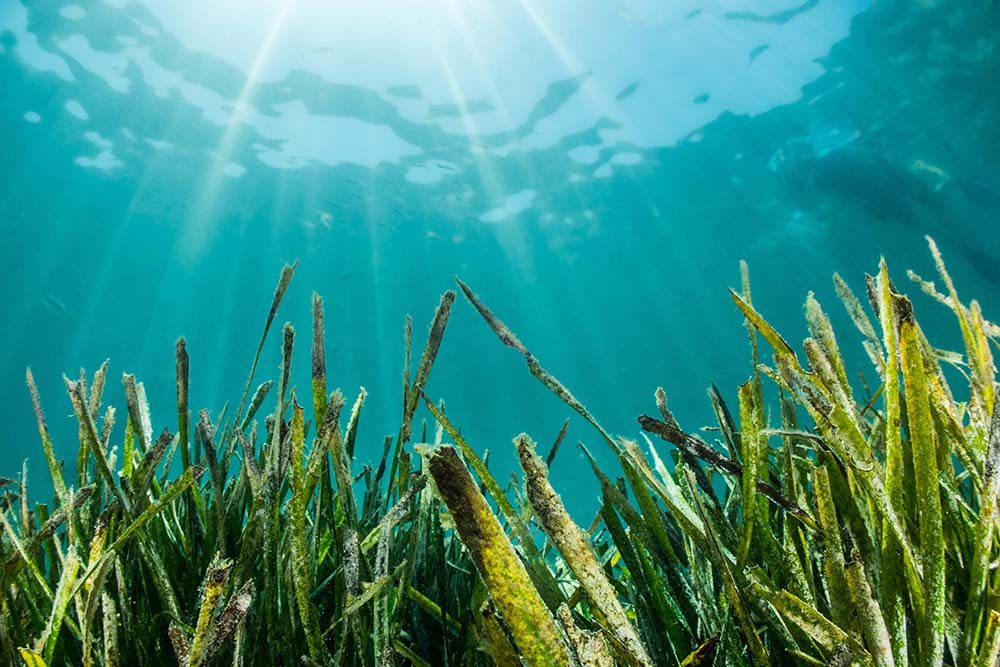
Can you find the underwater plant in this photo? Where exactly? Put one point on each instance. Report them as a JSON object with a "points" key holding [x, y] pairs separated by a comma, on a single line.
{"points": [[845, 527]]}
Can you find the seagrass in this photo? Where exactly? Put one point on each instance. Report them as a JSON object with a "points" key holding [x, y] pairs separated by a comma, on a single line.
{"points": [[822, 520]]}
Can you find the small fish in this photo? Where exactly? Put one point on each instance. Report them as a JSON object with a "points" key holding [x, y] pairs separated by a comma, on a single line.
{"points": [[445, 166], [627, 91], [757, 50], [53, 302], [626, 15]]}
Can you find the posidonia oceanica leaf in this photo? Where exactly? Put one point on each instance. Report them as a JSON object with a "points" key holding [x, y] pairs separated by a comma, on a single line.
{"points": [[576, 550], [32, 658], [977, 615], [529, 621], [774, 339], [923, 444], [508, 338], [823, 631], [703, 655], [754, 644]]}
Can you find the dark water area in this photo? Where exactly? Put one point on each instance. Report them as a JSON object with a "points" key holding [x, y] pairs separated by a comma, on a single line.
{"points": [[136, 209]]}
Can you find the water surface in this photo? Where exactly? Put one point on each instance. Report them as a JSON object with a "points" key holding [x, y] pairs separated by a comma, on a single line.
{"points": [[594, 170]]}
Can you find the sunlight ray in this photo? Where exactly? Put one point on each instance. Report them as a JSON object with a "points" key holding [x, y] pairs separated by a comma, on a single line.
{"points": [[199, 225]]}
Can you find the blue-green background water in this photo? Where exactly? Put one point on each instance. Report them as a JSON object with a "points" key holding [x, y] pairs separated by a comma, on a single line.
{"points": [[594, 170]]}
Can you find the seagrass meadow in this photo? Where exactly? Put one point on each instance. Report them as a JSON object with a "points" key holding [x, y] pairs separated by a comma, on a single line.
{"points": [[821, 521]]}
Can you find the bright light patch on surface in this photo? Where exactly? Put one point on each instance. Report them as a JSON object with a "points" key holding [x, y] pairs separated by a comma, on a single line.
{"points": [[76, 109], [164, 83], [307, 138], [32, 117], [429, 172], [234, 170], [105, 160], [14, 17], [109, 66], [159, 144], [514, 204], [605, 170]]}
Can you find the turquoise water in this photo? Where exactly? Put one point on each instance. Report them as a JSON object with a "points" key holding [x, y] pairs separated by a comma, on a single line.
{"points": [[594, 170]]}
